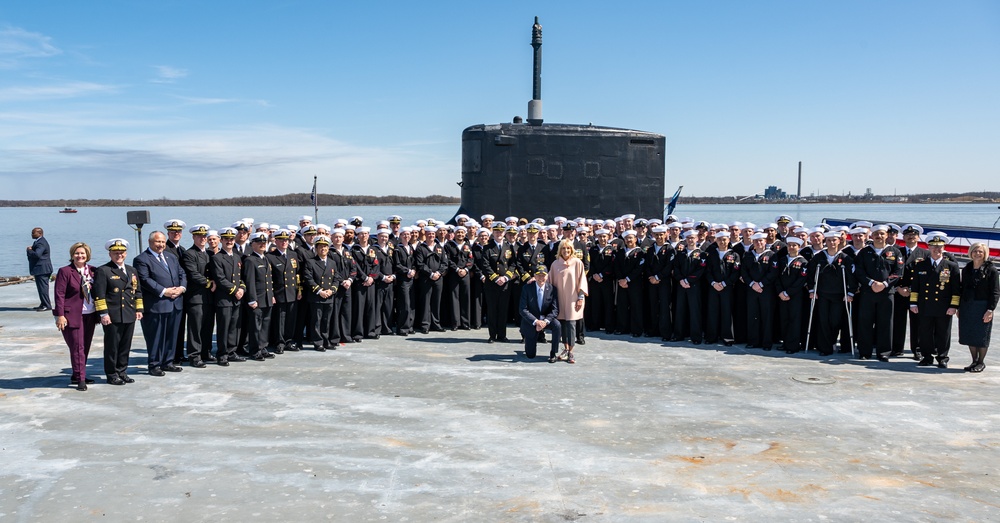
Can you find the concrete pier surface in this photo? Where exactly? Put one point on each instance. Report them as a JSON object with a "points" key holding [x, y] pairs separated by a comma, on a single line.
{"points": [[445, 427]]}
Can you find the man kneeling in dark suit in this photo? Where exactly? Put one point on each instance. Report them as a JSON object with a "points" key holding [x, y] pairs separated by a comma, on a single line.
{"points": [[539, 308]]}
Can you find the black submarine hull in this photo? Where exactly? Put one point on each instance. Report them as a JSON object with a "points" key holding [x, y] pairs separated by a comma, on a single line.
{"points": [[549, 170]]}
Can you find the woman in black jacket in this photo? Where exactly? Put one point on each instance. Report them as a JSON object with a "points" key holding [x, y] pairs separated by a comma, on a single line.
{"points": [[980, 293]]}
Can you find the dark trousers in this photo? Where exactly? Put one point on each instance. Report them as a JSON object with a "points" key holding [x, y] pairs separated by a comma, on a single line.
{"points": [[719, 316], [688, 313], [342, 311], [283, 324], [873, 330], [790, 319], [458, 293], [362, 309], [383, 308], [629, 307], [78, 340], [497, 301], [259, 325], [160, 332], [829, 314], [935, 337], [900, 314], [602, 300], [179, 343], [429, 303], [404, 306], [530, 336], [654, 300], [42, 286], [760, 318], [476, 303], [227, 319], [740, 291], [199, 330], [319, 325], [302, 319], [117, 344]]}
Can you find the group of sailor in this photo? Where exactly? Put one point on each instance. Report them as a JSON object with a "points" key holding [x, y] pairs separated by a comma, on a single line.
{"points": [[264, 289]]}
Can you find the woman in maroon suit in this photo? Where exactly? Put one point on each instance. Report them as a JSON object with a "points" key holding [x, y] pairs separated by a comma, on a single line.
{"points": [[74, 310]]}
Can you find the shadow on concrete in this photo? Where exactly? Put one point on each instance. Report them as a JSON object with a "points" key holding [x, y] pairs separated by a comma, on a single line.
{"points": [[514, 357], [60, 381]]}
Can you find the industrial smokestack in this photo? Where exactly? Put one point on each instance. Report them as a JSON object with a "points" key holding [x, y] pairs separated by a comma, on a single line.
{"points": [[535, 105], [799, 193]]}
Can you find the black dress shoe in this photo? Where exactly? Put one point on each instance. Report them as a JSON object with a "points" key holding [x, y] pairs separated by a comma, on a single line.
{"points": [[728, 343], [43, 309], [278, 350], [74, 381], [926, 362], [883, 359], [223, 362], [490, 341], [581, 341], [127, 379], [320, 348], [198, 364], [257, 357], [209, 359], [115, 380], [236, 358], [81, 386], [267, 354], [503, 340], [156, 371], [172, 368], [291, 347], [895, 354], [942, 365]]}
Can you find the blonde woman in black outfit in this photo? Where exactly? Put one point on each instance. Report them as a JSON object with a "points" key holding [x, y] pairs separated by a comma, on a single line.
{"points": [[980, 293]]}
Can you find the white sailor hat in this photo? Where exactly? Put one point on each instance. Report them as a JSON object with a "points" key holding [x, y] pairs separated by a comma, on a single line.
{"points": [[629, 232], [430, 229], [348, 227], [655, 221], [857, 230], [487, 217], [116, 244], [383, 223], [797, 223], [337, 230], [912, 227], [758, 236], [292, 227], [461, 217], [510, 219], [258, 237], [382, 230], [174, 225], [610, 223], [320, 227], [421, 223], [264, 225], [363, 230], [583, 228], [628, 216], [749, 225], [862, 223], [340, 222], [471, 223], [273, 227], [674, 225], [249, 221], [831, 234], [213, 232], [817, 229], [227, 232], [659, 229], [842, 228], [936, 238], [405, 228], [305, 218], [558, 219], [799, 230], [602, 231], [461, 228], [881, 227], [893, 228], [689, 234], [722, 234], [687, 225], [200, 229], [771, 225], [793, 240]]}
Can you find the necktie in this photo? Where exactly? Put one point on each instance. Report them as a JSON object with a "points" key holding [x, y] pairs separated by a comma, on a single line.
{"points": [[163, 260]]}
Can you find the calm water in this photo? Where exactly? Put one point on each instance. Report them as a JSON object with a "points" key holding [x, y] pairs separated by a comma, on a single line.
{"points": [[97, 225]]}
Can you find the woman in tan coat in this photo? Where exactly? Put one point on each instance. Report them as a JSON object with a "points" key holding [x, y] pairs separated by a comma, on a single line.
{"points": [[570, 279]]}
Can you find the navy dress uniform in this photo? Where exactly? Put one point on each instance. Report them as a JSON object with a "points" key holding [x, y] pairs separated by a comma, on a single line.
{"points": [[404, 292], [174, 229], [901, 313], [458, 287], [790, 285], [497, 259], [226, 267], [286, 277], [432, 266], [723, 270], [259, 296], [689, 268], [601, 300], [347, 270], [629, 270], [118, 300], [385, 281], [659, 269], [199, 305], [758, 273], [878, 271], [835, 276], [935, 292], [321, 284]]}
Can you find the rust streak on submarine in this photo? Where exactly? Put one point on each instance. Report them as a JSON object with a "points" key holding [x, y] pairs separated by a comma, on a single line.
{"points": [[535, 169]]}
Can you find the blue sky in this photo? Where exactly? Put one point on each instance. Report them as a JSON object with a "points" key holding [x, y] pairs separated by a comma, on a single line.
{"points": [[185, 99]]}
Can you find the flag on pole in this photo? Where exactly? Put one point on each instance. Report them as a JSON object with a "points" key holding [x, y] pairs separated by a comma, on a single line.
{"points": [[673, 201], [312, 197]]}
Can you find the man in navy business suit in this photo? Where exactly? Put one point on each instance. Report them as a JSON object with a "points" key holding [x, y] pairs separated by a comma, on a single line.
{"points": [[40, 266], [539, 308], [163, 284]]}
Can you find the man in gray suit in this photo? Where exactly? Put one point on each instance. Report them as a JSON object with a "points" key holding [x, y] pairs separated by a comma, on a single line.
{"points": [[539, 308], [40, 266]]}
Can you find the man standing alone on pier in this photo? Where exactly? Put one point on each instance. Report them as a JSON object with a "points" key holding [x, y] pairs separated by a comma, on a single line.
{"points": [[40, 266]]}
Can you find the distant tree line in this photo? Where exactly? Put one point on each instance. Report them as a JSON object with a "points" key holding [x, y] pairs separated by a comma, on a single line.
{"points": [[286, 200]]}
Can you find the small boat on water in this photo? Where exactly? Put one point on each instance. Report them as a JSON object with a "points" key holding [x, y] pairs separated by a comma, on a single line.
{"points": [[960, 237], [68, 210]]}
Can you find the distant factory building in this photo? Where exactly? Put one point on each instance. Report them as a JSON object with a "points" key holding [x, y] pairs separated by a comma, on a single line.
{"points": [[774, 193]]}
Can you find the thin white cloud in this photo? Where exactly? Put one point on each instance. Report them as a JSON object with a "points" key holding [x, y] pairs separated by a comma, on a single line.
{"points": [[17, 44], [27, 93], [166, 74]]}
